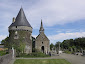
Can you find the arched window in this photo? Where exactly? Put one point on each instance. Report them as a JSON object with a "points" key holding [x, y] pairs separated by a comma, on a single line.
{"points": [[16, 35]]}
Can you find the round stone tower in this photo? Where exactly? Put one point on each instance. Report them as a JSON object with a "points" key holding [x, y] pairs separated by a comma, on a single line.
{"points": [[20, 32]]}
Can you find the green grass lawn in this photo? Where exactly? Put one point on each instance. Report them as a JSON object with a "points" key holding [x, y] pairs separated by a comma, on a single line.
{"points": [[41, 61]]}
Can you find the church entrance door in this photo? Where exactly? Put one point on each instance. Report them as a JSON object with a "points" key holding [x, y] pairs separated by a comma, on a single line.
{"points": [[42, 48]]}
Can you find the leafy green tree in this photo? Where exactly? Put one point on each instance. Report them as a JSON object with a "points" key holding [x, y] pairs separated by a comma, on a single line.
{"points": [[51, 46], [5, 42], [74, 44], [66, 44], [58, 44], [19, 48]]}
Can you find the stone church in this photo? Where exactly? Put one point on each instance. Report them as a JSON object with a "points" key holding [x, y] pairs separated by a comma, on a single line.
{"points": [[20, 31], [42, 42]]}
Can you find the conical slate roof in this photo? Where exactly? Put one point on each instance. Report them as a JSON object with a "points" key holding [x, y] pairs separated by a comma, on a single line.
{"points": [[21, 20]]}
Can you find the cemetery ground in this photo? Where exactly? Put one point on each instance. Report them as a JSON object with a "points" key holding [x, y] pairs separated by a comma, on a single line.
{"points": [[73, 59], [61, 59], [41, 61]]}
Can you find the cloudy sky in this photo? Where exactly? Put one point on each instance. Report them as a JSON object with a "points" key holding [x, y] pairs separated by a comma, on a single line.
{"points": [[62, 19]]}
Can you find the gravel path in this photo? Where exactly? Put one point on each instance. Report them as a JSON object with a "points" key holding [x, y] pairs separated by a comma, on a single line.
{"points": [[74, 59], [53, 57]]}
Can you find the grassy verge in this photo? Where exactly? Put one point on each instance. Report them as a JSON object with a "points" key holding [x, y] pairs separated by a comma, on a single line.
{"points": [[41, 61], [33, 55]]}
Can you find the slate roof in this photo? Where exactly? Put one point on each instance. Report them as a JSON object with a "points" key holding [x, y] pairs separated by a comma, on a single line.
{"points": [[21, 20]]}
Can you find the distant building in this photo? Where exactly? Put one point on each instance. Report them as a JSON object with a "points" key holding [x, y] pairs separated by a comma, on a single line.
{"points": [[42, 42], [20, 31], [1, 47]]}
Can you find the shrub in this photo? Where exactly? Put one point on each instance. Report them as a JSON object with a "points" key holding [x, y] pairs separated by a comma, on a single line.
{"points": [[2, 53], [68, 52]]}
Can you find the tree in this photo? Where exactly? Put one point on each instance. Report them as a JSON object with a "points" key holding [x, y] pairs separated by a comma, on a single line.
{"points": [[75, 44], [66, 44], [58, 44], [51, 46], [5, 42], [19, 48]]}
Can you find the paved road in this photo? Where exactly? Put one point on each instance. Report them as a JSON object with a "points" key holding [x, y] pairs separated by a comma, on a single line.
{"points": [[74, 59]]}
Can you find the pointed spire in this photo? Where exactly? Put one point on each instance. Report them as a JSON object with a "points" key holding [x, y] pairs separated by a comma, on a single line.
{"points": [[41, 23], [41, 27], [21, 19]]}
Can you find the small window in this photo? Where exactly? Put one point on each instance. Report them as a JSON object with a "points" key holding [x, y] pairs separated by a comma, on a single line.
{"points": [[16, 26], [42, 42], [16, 37]]}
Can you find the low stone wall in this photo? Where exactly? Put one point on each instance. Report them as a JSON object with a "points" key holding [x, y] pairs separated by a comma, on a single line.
{"points": [[6, 58]]}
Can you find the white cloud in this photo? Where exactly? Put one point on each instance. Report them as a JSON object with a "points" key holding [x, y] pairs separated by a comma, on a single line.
{"points": [[55, 12], [2, 37], [69, 30], [52, 12], [63, 36]]}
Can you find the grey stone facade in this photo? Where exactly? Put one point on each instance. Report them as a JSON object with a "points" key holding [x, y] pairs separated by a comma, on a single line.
{"points": [[42, 43], [18, 37]]}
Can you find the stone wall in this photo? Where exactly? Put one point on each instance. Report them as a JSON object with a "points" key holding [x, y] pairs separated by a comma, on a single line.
{"points": [[6, 58], [21, 28], [42, 43], [45, 44], [21, 37]]}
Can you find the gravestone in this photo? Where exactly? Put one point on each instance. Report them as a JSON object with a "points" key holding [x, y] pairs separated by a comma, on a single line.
{"points": [[13, 53], [83, 52]]}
